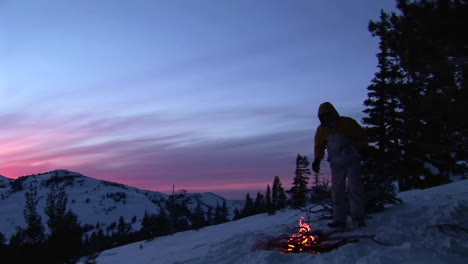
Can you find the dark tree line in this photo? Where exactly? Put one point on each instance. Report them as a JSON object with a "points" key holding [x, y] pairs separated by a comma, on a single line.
{"points": [[62, 245], [274, 199], [416, 104], [67, 240]]}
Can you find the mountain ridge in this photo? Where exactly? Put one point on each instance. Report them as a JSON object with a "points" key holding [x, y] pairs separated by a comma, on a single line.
{"points": [[95, 202]]}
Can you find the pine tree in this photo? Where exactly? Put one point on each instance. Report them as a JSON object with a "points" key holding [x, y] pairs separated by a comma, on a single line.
{"points": [[417, 99], [198, 219], [385, 121], [224, 212], [259, 204], [210, 217], [66, 242], [278, 195], [123, 230], [248, 206], [178, 211], [34, 232], [218, 214], [299, 190], [148, 228], [436, 69], [4, 252], [155, 225], [56, 207], [269, 205], [282, 199], [2, 240], [237, 214], [66, 233]]}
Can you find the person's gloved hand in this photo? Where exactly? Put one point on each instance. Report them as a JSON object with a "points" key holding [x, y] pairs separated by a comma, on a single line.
{"points": [[316, 165]]}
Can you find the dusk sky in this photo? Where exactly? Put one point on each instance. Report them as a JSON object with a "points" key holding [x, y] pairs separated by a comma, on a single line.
{"points": [[206, 95]]}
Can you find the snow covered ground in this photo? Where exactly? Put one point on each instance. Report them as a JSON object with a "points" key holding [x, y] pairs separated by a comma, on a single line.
{"points": [[430, 227]]}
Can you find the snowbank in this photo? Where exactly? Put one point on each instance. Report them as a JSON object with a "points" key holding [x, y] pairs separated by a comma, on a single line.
{"points": [[430, 227]]}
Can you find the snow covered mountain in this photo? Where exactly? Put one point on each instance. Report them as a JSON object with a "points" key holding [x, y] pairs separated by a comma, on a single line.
{"points": [[96, 202], [430, 227]]}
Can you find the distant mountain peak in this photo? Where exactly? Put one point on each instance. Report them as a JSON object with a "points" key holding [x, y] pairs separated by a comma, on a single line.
{"points": [[93, 200]]}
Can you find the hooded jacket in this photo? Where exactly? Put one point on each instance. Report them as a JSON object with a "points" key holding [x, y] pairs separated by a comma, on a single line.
{"points": [[345, 130]]}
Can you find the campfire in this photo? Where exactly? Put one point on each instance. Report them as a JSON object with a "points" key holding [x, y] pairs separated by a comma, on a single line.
{"points": [[307, 240], [304, 240]]}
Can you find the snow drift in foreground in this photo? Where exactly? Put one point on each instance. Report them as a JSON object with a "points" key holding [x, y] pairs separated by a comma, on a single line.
{"points": [[430, 227]]}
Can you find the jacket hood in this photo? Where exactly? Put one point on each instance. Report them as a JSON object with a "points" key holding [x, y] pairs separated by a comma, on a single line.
{"points": [[326, 108]]}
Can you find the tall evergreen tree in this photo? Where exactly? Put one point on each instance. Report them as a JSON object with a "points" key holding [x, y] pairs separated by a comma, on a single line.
{"points": [[56, 207], [300, 190], [218, 215], [249, 206], [237, 214], [2, 240], [178, 211], [34, 232], [269, 205], [199, 219], [259, 204], [122, 227], [225, 212], [221, 213], [155, 225], [65, 238], [385, 120], [210, 216], [278, 195], [417, 99], [148, 227]]}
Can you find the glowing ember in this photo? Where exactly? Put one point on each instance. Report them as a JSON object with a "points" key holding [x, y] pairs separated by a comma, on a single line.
{"points": [[303, 241]]}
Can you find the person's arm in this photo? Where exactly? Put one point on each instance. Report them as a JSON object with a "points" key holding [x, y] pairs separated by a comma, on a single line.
{"points": [[321, 136]]}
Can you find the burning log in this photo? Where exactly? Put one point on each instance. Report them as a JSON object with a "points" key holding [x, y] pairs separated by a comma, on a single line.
{"points": [[307, 240], [304, 240]]}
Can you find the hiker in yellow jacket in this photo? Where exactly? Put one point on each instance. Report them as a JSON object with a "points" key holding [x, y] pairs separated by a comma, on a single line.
{"points": [[346, 145]]}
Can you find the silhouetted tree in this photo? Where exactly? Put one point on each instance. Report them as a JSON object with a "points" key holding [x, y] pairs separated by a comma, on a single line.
{"points": [[259, 205], [155, 225], [65, 240], [224, 212], [56, 207], [210, 217], [221, 213], [178, 211], [218, 216], [237, 214], [3, 247], [34, 232], [2, 240], [199, 219], [299, 190], [417, 100], [123, 231], [278, 195], [269, 205], [249, 208]]}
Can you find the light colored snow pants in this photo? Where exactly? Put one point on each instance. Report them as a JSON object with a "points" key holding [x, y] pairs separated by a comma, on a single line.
{"points": [[347, 187]]}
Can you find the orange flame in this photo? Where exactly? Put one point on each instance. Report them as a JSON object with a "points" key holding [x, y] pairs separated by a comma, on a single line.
{"points": [[302, 241]]}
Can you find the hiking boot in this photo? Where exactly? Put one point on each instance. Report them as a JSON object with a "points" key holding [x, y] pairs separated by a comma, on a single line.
{"points": [[336, 224], [359, 223]]}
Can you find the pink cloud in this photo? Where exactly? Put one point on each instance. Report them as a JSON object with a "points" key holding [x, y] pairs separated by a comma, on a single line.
{"points": [[105, 149]]}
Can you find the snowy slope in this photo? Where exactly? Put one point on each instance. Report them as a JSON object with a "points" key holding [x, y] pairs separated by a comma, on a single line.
{"points": [[94, 201], [423, 229]]}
